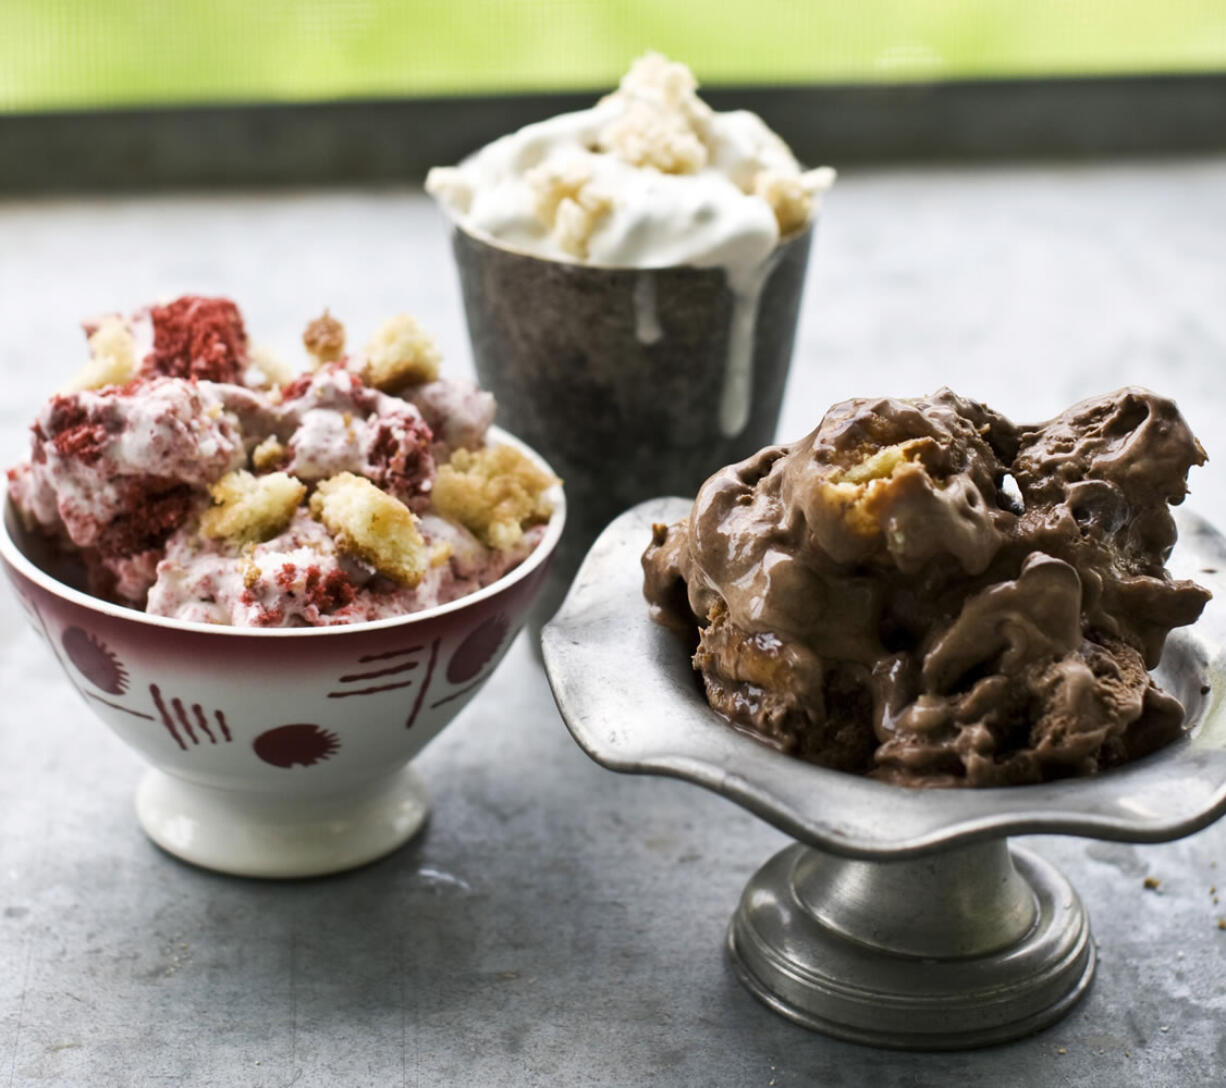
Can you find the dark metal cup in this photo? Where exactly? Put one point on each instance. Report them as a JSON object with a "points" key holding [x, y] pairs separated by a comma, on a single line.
{"points": [[620, 377]]}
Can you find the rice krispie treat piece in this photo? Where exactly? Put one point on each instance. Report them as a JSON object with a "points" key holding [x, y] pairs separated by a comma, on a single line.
{"points": [[250, 507], [494, 492], [372, 525]]}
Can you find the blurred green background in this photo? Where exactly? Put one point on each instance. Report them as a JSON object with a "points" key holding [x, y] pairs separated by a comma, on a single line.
{"points": [[72, 54]]}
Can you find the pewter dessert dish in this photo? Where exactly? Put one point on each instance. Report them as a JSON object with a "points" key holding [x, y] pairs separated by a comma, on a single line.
{"points": [[900, 917]]}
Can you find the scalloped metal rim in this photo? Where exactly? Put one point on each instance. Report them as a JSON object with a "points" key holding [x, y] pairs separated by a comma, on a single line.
{"points": [[625, 689]]}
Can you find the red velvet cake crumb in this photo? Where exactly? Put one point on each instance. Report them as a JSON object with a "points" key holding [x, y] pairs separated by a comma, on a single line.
{"points": [[153, 509], [328, 592], [72, 433], [196, 337], [403, 460], [265, 617], [270, 617], [296, 388]]}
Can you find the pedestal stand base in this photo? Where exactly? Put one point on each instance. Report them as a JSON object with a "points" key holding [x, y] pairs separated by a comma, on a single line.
{"points": [[251, 834], [963, 949]]}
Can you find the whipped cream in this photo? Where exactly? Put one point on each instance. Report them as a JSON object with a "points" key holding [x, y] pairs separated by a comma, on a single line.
{"points": [[649, 177]]}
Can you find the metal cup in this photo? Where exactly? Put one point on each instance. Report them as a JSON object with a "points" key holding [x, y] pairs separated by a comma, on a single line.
{"points": [[631, 382]]}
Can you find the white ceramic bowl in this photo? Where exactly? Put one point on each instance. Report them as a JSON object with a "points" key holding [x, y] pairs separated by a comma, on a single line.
{"points": [[277, 752]]}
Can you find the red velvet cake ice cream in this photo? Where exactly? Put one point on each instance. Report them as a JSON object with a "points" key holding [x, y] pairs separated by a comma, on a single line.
{"points": [[197, 479]]}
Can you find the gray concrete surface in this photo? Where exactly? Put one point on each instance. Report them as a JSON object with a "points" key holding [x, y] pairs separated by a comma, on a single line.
{"points": [[558, 924]]}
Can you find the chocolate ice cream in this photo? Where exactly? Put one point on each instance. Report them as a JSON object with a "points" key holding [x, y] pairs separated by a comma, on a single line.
{"points": [[923, 591]]}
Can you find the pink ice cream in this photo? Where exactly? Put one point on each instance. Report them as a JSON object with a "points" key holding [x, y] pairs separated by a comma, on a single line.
{"points": [[126, 475], [300, 578], [333, 423]]}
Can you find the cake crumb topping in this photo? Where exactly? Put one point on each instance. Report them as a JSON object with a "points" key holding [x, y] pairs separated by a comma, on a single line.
{"points": [[249, 508], [400, 353], [270, 369], [494, 493], [664, 124], [112, 357], [791, 194], [196, 337], [567, 203], [372, 525], [324, 339], [269, 453]]}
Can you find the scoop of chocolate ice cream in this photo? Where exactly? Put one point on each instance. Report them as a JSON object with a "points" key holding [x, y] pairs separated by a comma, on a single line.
{"points": [[927, 592]]}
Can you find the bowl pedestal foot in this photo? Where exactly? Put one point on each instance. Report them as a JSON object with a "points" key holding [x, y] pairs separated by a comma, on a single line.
{"points": [[254, 834], [964, 948]]}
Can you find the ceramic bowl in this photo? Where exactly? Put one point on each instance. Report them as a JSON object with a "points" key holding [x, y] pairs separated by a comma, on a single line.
{"points": [[277, 752]]}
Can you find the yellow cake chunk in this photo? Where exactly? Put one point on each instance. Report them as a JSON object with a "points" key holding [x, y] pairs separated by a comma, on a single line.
{"points": [[112, 357], [400, 353], [248, 508], [268, 453], [372, 525], [494, 493]]}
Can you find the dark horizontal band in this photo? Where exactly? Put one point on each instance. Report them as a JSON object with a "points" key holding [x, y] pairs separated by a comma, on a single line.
{"points": [[397, 141]]}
